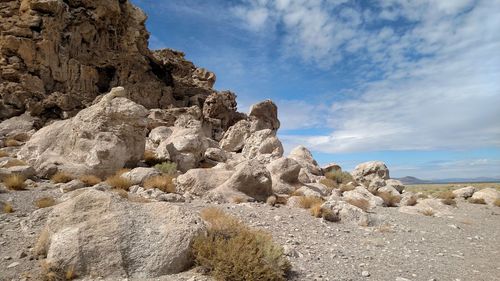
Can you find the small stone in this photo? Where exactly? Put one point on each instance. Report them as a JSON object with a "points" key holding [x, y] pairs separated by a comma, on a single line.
{"points": [[7, 258], [365, 273], [22, 254], [14, 264], [402, 279]]}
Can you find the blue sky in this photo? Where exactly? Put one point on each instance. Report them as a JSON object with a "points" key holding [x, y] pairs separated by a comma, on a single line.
{"points": [[415, 84]]}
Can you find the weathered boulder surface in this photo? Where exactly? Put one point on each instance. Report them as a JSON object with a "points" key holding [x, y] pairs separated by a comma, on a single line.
{"points": [[263, 143], [465, 192], [141, 174], [489, 195], [361, 193], [284, 174], [348, 213], [310, 169], [102, 234], [98, 140], [200, 181], [365, 172]]}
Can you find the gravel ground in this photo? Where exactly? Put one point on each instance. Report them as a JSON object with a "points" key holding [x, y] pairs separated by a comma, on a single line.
{"points": [[463, 246]]}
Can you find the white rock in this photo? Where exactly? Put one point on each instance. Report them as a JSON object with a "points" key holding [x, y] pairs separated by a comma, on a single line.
{"points": [[365, 172], [139, 175], [465, 192], [489, 195], [284, 174], [199, 181], [361, 193]]}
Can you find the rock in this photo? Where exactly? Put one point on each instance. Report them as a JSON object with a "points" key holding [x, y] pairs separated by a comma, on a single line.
{"points": [[72, 185], [199, 181], [429, 207], [310, 167], [465, 192], [284, 174], [348, 213], [234, 138], [361, 193], [266, 114], [263, 143], [99, 140], [95, 232], [168, 117], [252, 181], [294, 201], [215, 154], [22, 124], [365, 273], [398, 185], [139, 175], [365, 172], [408, 199], [219, 109], [14, 264], [375, 184], [389, 189], [26, 171], [157, 135], [332, 167], [489, 195]]}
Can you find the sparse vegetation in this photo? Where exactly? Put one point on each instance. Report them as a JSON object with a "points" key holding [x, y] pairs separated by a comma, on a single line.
{"points": [[7, 207], [15, 182], [122, 171], [51, 272], [14, 163], [61, 177], [90, 180], [346, 187], [164, 183], [446, 195], [238, 200], [121, 192], [497, 202], [167, 168], [477, 201], [329, 183], [361, 203], [428, 212], [150, 158], [450, 202], [339, 177], [306, 202], [431, 189], [412, 201], [230, 250], [297, 193], [22, 137], [3, 154], [45, 202], [390, 200], [316, 210], [119, 182], [12, 142], [42, 244]]}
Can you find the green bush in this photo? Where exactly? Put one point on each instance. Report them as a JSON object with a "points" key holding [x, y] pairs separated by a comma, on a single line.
{"points": [[168, 168], [230, 250]]}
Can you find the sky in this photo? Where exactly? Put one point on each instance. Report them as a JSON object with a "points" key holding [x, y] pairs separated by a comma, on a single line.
{"points": [[415, 84]]}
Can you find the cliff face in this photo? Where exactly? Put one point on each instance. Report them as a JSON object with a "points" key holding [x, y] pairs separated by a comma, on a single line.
{"points": [[57, 56]]}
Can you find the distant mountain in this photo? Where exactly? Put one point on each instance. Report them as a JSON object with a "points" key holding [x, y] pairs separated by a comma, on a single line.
{"points": [[414, 180]]}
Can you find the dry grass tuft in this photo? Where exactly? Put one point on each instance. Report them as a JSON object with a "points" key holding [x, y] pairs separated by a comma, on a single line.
{"points": [[238, 200], [7, 207], [3, 154], [390, 200], [446, 195], [12, 142], [61, 177], [167, 168], [327, 214], [45, 202], [339, 177], [428, 212], [121, 192], [422, 196], [477, 201], [450, 202], [329, 183], [119, 182], [164, 183], [55, 273], [272, 200], [14, 182], [307, 202], [230, 250], [42, 244], [122, 171], [412, 201], [361, 203], [90, 180], [316, 210], [150, 158], [345, 188], [497, 202], [22, 137], [14, 163], [297, 193]]}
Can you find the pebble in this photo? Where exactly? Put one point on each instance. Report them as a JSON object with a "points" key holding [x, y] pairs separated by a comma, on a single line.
{"points": [[365, 273], [14, 264]]}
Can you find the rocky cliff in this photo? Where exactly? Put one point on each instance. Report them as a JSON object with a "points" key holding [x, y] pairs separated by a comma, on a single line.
{"points": [[58, 56]]}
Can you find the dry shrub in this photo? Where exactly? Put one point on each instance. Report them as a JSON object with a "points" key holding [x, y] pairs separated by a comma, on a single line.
{"points": [[477, 201], [329, 183], [329, 215], [42, 244], [497, 202], [230, 250], [390, 200], [121, 192], [90, 180], [7, 207], [412, 201], [361, 203], [428, 212], [14, 182], [150, 158], [297, 193], [119, 182], [45, 202], [164, 183], [14, 163], [238, 200], [339, 177], [271, 200], [450, 202], [12, 142], [122, 171], [167, 168], [61, 177], [446, 195], [316, 210], [307, 202], [345, 188], [51, 272], [3, 154], [422, 196], [22, 137]]}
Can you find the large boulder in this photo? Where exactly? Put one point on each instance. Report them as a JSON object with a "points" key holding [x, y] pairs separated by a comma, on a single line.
{"points": [[348, 213], [251, 181], [98, 140], [365, 172], [141, 174], [263, 143], [284, 174], [310, 169], [465, 192], [234, 138], [266, 115], [396, 184], [22, 124], [200, 181], [102, 234], [361, 193], [489, 195]]}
